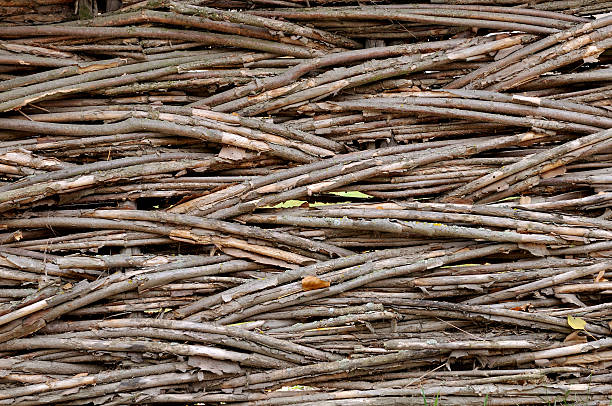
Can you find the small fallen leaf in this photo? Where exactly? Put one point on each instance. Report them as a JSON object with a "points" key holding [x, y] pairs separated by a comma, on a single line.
{"points": [[600, 276], [553, 172], [353, 193], [522, 308], [312, 282], [576, 322], [539, 250], [287, 204], [575, 337], [232, 153]]}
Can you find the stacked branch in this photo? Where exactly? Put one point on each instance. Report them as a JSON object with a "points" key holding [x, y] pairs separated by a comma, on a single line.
{"points": [[273, 202]]}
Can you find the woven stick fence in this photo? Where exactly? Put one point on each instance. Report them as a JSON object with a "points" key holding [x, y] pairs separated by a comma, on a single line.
{"points": [[279, 202]]}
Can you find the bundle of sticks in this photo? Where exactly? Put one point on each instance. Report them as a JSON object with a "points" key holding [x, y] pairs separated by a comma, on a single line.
{"points": [[278, 202]]}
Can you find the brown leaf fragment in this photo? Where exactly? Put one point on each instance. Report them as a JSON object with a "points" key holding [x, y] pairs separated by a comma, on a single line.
{"points": [[575, 337], [539, 250], [558, 171], [312, 282], [523, 308], [600, 276], [232, 153]]}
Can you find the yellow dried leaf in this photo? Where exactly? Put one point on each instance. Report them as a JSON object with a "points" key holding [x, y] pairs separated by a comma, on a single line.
{"points": [[312, 282], [576, 322]]}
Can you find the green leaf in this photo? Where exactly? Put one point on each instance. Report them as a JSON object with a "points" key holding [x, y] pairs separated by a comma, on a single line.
{"points": [[297, 203], [353, 193], [286, 205], [576, 322], [319, 204]]}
